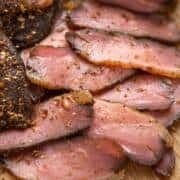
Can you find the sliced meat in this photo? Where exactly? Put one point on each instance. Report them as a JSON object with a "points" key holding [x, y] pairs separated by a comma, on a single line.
{"points": [[113, 19], [60, 68], [126, 51], [15, 6], [141, 137], [15, 99], [144, 6], [55, 118], [56, 38], [79, 158], [28, 28], [141, 92], [36, 92], [37, 4], [168, 117], [166, 164]]}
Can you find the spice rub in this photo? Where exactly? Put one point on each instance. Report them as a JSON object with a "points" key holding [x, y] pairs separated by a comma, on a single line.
{"points": [[15, 100]]}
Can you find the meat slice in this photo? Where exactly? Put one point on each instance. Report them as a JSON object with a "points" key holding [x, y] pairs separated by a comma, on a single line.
{"points": [[60, 68], [56, 37], [141, 137], [15, 6], [144, 6], [55, 118], [15, 100], [26, 29], [166, 164], [113, 19], [168, 117], [78, 158], [126, 51], [141, 92]]}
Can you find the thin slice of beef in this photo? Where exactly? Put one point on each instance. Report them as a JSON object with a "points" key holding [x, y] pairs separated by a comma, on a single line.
{"points": [[141, 137], [166, 165], [36, 92], [58, 117], [168, 117], [142, 92], [15, 100], [16, 6], [126, 51], [60, 68], [56, 37], [75, 159], [144, 6], [113, 19], [26, 29]]}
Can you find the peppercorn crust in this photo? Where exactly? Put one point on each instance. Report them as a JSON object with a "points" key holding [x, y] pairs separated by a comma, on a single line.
{"points": [[15, 101]]}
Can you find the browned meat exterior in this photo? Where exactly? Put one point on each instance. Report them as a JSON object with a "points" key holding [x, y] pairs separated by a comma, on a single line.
{"points": [[113, 19], [145, 6], [56, 38], [36, 92], [126, 51], [166, 164], [28, 28], [141, 137], [14, 6], [75, 159], [58, 117], [141, 92], [15, 100], [168, 117], [60, 68]]}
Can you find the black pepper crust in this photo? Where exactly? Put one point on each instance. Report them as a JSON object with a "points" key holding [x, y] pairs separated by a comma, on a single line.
{"points": [[15, 100], [17, 6], [26, 29], [12, 6]]}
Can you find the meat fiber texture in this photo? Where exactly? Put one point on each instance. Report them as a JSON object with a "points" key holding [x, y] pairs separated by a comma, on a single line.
{"points": [[92, 14], [56, 118], [142, 92], [142, 138], [126, 52], [168, 117], [78, 158], [60, 68], [144, 6]]}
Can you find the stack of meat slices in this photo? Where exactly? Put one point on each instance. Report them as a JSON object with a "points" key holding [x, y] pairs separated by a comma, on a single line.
{"points": [[121, 73]]}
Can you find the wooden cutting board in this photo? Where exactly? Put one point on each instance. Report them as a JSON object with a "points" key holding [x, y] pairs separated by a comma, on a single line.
{"points": [[133, 171]]}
